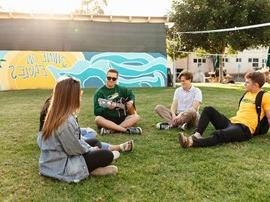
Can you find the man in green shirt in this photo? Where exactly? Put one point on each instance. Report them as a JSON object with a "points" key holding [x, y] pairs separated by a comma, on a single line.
{"points": [[114, 107]]}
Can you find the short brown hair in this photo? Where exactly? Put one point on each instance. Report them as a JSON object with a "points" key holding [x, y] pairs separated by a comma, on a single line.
{"points": [[256, 77], [187, 75], [113, 71]]}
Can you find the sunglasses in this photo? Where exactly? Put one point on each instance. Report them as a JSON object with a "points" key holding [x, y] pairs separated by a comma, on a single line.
{"points": [[111, 78]]}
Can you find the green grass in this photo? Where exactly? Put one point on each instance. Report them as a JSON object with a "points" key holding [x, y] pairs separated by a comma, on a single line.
{"points": [[157, 170]]}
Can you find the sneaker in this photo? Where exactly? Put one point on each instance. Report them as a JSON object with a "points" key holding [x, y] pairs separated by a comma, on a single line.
{"points": [[183, 127], [163, 126], [116, 155], [108, 170], [134, 130], [104, 131], [197, 135]]}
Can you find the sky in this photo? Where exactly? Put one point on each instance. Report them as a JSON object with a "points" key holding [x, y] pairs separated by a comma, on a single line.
{"points": [[115, 7]]}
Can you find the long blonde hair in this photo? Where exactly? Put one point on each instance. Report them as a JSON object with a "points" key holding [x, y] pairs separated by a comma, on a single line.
{"points": [[65, 101]]}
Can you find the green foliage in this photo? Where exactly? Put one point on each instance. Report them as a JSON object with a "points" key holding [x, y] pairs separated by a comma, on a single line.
{"points": [[94, 7], [173, 44], [197, 15], [157, 170]]}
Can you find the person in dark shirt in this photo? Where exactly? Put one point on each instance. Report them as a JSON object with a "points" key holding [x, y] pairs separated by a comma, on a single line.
{"points": [[114, 107]]}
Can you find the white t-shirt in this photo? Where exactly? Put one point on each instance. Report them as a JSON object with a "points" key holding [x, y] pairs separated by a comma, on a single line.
{"points": [[185, 98]]}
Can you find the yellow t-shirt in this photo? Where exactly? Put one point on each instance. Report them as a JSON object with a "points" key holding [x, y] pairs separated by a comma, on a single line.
{"points": [[247, 114]]}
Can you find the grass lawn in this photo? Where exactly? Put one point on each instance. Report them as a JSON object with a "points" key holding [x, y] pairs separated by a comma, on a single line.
{"points": [[157, 170]]}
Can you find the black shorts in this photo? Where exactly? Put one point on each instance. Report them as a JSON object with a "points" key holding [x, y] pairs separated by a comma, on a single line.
{"points": [[117, 120]]}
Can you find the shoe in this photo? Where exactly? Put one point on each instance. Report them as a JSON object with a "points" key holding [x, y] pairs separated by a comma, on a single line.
{"points": [[127, 146], [134, 130], [104, 131], [163, 126], [197, 135], [184, 141], [108, 170], [183, 127], [116, 155]]}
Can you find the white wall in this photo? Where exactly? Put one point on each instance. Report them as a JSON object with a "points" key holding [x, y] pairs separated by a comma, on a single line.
{"points": [[232, 66]]}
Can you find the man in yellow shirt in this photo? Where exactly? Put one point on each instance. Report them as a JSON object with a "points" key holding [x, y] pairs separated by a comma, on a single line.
{"points": [[241, 127]]}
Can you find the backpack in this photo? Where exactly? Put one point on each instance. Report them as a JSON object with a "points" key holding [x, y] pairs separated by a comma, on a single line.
{"points": [[263, 125]]}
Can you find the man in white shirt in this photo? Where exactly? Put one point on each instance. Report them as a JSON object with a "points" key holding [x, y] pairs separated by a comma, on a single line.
{"points": [[184, 108]]}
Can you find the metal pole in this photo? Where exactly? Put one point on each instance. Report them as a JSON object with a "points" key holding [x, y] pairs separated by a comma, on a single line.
{"points": [[188, 63], [174, 68], [174, 71]]}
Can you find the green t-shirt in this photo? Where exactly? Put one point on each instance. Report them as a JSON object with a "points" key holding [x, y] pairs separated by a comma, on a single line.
{"points": [[115, 94]]}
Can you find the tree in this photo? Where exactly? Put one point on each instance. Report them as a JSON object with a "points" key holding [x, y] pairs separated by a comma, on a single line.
{"points": [[95, 7], [197, 15], [173, 44]]}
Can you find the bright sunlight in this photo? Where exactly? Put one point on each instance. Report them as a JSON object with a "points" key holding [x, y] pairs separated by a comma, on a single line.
{"points": [[41, 6]]}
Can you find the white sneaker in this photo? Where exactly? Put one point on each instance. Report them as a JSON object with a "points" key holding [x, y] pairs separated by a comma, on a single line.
{"points": [[163, 126], [134, 130], [116, 155], [183, 127], [108, 170], [104, 131], [197, 135]]}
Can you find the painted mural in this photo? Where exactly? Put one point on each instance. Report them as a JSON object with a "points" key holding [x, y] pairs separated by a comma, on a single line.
{"points": [[41, 69]]}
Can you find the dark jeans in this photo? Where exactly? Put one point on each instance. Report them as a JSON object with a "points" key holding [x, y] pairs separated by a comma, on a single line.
{"points": [[94, 142], [225, 130], [96, 159]]}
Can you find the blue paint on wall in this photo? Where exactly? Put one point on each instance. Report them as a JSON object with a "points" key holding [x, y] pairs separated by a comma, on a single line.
{"points": [[135, 69]]}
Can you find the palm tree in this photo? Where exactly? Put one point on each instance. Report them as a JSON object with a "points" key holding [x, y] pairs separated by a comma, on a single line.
{"points": [[93, 6]]}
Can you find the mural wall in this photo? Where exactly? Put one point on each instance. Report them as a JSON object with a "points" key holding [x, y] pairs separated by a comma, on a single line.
{"points": [[41, 69]]}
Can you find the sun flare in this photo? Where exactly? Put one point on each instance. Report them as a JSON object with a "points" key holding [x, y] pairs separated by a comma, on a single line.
{"points": [[43, 6]]}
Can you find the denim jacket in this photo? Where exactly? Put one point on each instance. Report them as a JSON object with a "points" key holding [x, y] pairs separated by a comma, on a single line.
{"points": [[61, 154]]}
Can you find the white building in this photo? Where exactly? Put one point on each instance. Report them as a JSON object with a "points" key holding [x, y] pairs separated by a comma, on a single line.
{"points": [[248, 60]]}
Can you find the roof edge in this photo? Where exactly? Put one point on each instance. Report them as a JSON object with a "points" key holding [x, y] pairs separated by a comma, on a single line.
{"points": [[84, 17]]}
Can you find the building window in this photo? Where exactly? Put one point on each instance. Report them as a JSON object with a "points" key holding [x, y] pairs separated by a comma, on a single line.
{"points": [[249, 59], [225, 59], [255, 63], [263, 62], [238, 59], [199, 60], [256, 60]]}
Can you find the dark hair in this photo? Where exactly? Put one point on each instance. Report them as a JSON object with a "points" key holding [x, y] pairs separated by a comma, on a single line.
{"points": [[113, 71], [187, 75], [256, 77], [43, 112]]}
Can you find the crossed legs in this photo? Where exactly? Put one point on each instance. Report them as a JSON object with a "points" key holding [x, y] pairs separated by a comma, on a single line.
{"points": [[189, 116], [122, 127]]}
